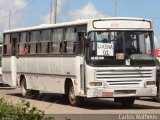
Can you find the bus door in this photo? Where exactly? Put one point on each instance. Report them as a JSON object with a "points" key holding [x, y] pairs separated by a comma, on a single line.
{"points": [[80, 50], [14, 40]]}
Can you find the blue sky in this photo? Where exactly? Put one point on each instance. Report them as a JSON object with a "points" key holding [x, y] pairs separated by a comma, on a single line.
{"points": [[38, 12]]}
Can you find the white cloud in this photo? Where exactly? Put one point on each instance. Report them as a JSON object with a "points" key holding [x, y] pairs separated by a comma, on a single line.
{"points": [[88, 11], [62, 12], [65, 14], [45, 19], [5, 7]]}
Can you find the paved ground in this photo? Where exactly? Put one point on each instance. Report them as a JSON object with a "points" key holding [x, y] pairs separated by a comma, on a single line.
{"points": [[54, 104]]}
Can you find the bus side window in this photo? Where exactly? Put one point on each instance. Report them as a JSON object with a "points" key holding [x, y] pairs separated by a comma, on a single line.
{"points": [[60, 48], [25, 49], [56, 41], [29, 48], [69, 42], [79, 45], [44, 41], [4, 49], [63, 47], [53, 42], [74, 47], [7, 44], [33, 42], [22, 44]]}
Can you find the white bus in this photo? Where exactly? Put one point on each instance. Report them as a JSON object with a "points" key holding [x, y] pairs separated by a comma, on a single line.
{"points": [[83, 59]]}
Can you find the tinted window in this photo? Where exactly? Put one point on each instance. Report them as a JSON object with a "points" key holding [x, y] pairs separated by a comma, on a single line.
{"points": [[35, 35], [70, 40], [22, 45], [7, 44], [23, 37], [45, 35], [56, 43], [33, 42], [44, 41]]}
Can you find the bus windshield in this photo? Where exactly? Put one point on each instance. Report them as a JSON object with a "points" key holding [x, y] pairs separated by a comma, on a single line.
{"points": [[114, 47]]}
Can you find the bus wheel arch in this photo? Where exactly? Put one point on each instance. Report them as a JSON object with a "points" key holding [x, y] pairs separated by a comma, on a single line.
{"points": [[70, 93], [68, 81], [22, 77], [27, 93], [23, 86]]}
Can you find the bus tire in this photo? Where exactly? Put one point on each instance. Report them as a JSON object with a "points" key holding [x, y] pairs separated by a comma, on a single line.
{"points": [[158, 97], [127, 102], [73, 99], [26, 93], [23, 86]]}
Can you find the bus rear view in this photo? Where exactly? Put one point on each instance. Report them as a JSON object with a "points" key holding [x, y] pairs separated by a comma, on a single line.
{"points": [[117, 63]]}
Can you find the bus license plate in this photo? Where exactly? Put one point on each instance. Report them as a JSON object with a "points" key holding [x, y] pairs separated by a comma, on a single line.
{"points": [[107, 94]]}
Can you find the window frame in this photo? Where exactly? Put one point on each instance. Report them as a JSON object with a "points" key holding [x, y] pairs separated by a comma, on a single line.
{"points": [[31, 42], [40, 42], [5, 45], [23, 51]]}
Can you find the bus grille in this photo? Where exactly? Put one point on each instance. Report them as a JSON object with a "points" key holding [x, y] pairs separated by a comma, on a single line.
{"points": [[123, 77]]}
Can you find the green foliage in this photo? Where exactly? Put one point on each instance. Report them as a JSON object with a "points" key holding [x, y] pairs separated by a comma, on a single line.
{"points": [[20, 111]]}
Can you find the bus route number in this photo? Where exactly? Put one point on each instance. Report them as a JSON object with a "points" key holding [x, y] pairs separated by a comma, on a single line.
{"points": [[105, 49], [105, 53]]}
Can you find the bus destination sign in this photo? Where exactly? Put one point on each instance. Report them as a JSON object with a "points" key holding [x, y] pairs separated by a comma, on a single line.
{"points": [[105, 49]]}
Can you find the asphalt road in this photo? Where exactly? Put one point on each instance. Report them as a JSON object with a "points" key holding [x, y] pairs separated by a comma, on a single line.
{"points": [[92, 109]]}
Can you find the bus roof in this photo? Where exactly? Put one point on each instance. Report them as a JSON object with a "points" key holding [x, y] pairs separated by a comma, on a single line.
{"points": [[72, 23], [45, 26]]}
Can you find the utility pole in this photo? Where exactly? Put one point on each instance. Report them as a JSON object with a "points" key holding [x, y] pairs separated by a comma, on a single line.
{"points": [[55, 12], [115, 8], [9, 19], [51, 14]]}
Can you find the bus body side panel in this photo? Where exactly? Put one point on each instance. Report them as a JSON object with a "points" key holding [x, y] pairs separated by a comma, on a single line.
{"points": [[9, 68], [6, 70], [47, 73]]}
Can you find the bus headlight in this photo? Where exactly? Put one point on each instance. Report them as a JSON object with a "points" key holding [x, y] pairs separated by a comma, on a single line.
{"points": [[151, 82], [95, 84]]}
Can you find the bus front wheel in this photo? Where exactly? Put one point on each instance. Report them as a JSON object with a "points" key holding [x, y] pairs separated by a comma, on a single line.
{"points": [[73, 99], [158, 97]]}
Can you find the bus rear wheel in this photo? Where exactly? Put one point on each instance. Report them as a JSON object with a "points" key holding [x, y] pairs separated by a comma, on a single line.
{"points": [[23, 88], [73, 99], [26, 92], [127, 102]]}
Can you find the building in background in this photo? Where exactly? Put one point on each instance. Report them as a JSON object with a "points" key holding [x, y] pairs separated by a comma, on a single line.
{"points": [[157, 53]]}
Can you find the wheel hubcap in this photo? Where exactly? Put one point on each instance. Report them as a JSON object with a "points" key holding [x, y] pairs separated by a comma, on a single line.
{"points": [[72, 94], [23, 89]]}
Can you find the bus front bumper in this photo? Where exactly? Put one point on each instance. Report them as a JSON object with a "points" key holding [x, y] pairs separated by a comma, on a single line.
{"points": [[121, 92]]}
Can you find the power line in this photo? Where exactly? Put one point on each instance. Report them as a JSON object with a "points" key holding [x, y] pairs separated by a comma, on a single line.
{"points": [[13, 13]]}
